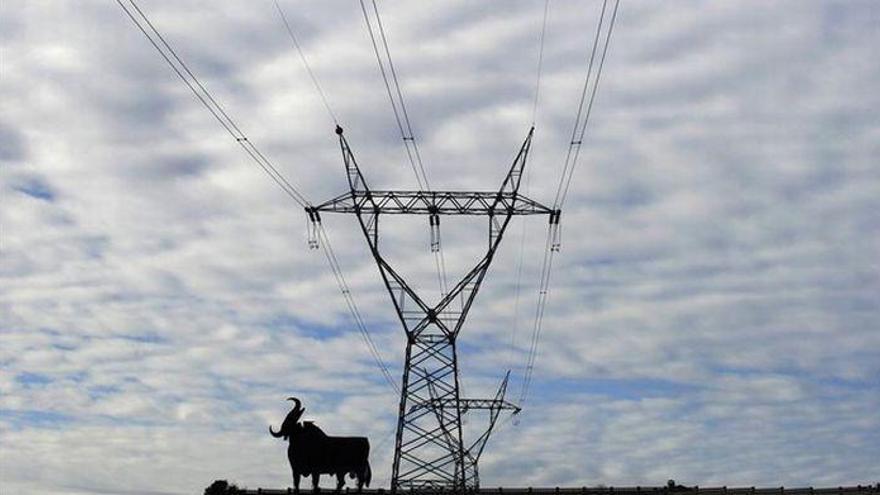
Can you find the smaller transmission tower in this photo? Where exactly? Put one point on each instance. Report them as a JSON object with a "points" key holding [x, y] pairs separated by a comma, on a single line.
{"points": [[430, 452]]}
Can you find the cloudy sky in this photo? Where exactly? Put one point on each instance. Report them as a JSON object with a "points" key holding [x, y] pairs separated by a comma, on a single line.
{"points": [[715, 309]]}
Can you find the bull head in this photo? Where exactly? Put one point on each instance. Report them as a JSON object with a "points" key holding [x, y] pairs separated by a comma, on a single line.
{"points": [[290, 421]]}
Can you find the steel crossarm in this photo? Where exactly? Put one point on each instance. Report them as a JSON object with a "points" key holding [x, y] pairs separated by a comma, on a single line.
{"points": [[434, 203], [471, 405]]}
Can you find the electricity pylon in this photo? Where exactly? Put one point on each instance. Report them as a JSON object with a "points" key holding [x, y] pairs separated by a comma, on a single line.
{"points": [[430, 452]]}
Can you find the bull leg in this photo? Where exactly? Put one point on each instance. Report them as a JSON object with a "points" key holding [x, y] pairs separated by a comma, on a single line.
{"points": [[340, 480], [316, 478], [296, 481], [359, 475], [364, 477]]}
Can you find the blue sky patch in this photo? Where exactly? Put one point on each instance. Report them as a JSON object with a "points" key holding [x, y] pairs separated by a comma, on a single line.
{"points": [[34, 418], [32, 379], [610, 387], [37, 189]]}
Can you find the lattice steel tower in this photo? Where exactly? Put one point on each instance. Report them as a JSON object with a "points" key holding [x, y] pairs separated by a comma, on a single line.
{"points": [[430, 451]]}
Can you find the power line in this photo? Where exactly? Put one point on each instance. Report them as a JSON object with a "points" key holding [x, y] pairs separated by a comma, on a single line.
{"points": [[306, 64], [580, 125], [522, 240], [353, 308], [518, 287], [540, 60], [412, 138], [401, 117], [204, 96], [397, 105], [592, 99], [321, 235], [553, 233], [543, 294]]}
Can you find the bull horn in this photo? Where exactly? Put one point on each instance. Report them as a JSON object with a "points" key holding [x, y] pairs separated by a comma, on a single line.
{"points": [[297, 411]]}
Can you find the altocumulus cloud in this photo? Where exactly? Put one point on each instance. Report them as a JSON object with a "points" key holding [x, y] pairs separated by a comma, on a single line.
{"points": [[714, 311]]}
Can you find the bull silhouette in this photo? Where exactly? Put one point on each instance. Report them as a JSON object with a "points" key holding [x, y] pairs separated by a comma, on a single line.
{"points": [[312, 452]]}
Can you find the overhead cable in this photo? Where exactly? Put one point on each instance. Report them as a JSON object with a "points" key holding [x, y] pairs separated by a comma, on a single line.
{"points": [[518, 286], [540, 61], [320, 235], [395, 96], [401, 117], [522, 240], [305, 62], [319, 238], [580, 124], [204, 96], [591, 85], [412, 138], [353, 308], [543, 294]]}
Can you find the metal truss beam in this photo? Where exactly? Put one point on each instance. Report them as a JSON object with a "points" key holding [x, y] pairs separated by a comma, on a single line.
{"points": [[475, 405], [434, 203]]}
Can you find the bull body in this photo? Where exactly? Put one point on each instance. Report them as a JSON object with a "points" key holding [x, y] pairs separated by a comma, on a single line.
{"points": [[312, 452]]}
